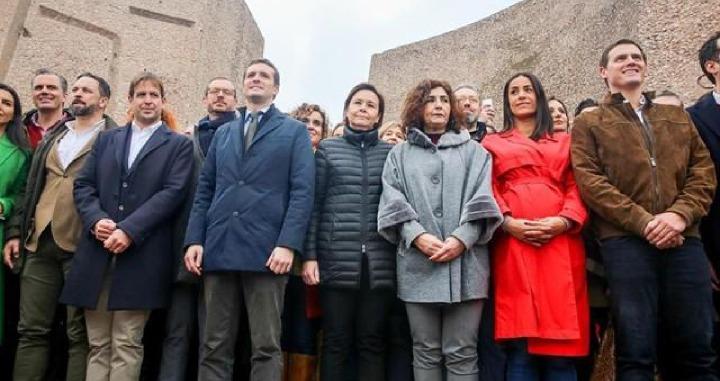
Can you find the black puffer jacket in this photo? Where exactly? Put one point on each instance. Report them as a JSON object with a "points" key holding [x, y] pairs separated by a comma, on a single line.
{"points": [[344, 221]]}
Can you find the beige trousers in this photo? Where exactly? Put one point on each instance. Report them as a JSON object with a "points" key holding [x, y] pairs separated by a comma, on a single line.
{"points": [[115, 338]]}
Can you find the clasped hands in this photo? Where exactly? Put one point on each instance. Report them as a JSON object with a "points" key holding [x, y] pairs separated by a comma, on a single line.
{"points": [[536, 232], [665, 230], [114, 239], [437, 250]]}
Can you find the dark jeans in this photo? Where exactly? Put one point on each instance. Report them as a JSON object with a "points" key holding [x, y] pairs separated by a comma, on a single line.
{"points": [[299, 334], [522, 366], [354, 317], [185, 318], [649, 287], [399, 344], [491, 357]]}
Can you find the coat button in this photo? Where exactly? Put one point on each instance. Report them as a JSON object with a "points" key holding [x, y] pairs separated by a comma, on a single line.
{"points": [[235, 214], [121, 208], [124, 184], [435, 180], [241, 183], [438, 213]]}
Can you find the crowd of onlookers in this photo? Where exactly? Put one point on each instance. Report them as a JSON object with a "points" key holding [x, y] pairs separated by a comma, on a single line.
{"points": [[445, 245]]}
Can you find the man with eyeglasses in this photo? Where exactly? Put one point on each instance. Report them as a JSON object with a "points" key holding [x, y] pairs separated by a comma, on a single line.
{"points": [[468, 99], [220, 101]]}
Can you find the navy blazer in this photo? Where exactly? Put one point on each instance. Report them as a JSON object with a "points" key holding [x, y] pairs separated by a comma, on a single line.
{"points": [[143, 201], [248, 203], [705, 115]]}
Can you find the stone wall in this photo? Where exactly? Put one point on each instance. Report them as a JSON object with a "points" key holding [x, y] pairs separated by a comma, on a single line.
{"points": [[559, 40], [185, 42]]}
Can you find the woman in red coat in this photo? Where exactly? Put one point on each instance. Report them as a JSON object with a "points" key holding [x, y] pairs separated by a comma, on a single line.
{"points": [[538, 260]]}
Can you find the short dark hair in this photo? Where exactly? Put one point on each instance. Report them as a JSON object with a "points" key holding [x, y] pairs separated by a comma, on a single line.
{"points": [[306, 109], [143, 77], [543, 120], [220, 78], [709, 52], [45, 71], [372, 89], [623, 41], [102, 83], [265, 61], [15, 129], [585, 103]]}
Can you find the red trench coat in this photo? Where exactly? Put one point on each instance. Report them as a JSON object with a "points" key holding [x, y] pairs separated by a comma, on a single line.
{"points": [[540, 293]]}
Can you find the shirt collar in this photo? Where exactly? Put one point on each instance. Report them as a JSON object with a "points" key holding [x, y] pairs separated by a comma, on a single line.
{"points": [[716, 95], [262, 112], [71, 126], [149, 129]]}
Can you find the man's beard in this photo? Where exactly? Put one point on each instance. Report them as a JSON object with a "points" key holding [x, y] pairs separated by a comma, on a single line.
{"points": [[83, 110]]}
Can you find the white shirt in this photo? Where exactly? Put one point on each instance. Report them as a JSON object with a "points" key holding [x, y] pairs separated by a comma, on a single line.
{"points": [[716, 95], [262, 112], [72, 142], [139, 137], [639, 110]]}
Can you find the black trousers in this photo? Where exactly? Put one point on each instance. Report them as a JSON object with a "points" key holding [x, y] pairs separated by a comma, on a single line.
{"points": [[355, 318]]}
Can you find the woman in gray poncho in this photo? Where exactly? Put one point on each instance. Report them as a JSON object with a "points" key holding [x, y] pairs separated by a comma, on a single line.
{"points": [[437, 206]]}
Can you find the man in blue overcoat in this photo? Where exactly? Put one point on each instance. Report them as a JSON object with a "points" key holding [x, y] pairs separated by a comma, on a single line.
{"points": [[249, 218]]}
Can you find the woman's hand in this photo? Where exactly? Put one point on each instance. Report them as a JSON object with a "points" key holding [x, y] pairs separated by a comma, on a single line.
{"points": [[535, 232], [452, 248], [311, 273], [428, 244]]}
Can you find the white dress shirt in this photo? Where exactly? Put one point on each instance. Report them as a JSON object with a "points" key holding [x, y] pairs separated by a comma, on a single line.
{"points": [[716, 95], [72, 142], [262, 112], [139, 137]]}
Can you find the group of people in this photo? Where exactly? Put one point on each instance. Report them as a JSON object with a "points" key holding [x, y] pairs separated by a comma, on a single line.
{"points": [[443, 246]]}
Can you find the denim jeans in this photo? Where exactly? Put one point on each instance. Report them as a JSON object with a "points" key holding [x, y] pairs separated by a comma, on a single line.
{"points": [[660, 291], [522, 366]]}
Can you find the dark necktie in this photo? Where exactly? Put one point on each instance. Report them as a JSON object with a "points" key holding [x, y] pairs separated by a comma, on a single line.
{"points": [[251, 128]]}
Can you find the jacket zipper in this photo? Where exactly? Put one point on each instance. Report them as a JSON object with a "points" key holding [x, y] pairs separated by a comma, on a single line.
{"points": [[363, 207], [650, 143]]}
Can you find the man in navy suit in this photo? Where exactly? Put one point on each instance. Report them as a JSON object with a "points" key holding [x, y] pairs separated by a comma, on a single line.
{"points": [[706, 117], [127, 195], [251, 211]]}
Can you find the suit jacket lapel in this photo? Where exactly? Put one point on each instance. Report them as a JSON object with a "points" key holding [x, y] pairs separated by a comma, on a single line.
{"points": [[710, 114], [158, 138], [120, 140]]}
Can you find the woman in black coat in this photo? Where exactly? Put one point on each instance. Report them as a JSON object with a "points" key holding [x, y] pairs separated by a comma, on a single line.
{"points": [[354, 266]]}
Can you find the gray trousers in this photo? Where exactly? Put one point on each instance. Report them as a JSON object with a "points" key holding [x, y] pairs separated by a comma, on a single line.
{"points": [[261, 294], [449, 331]]}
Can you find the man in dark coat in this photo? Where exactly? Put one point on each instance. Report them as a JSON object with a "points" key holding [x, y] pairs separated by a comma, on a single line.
{"points": [[127, 195], [706, 117], [251, 212]]}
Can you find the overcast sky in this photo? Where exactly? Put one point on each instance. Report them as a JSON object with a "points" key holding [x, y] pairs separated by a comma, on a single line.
{"points": [[323, 47]]}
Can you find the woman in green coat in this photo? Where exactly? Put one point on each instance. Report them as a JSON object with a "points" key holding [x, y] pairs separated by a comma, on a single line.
{"points": [[14, 155]]}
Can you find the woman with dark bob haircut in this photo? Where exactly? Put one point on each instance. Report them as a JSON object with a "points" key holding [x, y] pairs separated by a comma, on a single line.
{"points": [[541, 306], [437, 206], [344, 253], [14, 155]]}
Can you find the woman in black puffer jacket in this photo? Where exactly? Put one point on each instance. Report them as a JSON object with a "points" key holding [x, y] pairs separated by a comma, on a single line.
{"points": [[354, 266]]}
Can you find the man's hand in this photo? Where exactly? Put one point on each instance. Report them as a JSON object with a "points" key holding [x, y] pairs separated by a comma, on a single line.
{"points": [[11, 251], [280, 260], [117, 242], [452, 248], [664, 228], [311, 273], [193, 259], [428, 244], [104, 228]]}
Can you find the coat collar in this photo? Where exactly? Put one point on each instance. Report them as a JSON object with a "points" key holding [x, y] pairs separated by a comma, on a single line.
{"points": [[7, 149], [356, 137], [448, 139], [618, 98], [122, 138], [515, 135], [707, 111], [271, 120]]}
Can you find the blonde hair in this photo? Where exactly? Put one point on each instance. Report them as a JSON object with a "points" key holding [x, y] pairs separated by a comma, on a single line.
{"points": [[387, 126]]}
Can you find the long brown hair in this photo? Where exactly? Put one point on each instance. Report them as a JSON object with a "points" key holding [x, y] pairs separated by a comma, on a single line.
{"points": [[414, 106]]}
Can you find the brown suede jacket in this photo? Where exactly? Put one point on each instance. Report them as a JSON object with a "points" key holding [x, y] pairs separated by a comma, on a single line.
{"points": [[628, 171]]}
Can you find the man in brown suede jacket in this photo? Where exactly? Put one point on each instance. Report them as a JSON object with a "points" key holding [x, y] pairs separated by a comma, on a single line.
{"points": [[647, 177]]}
